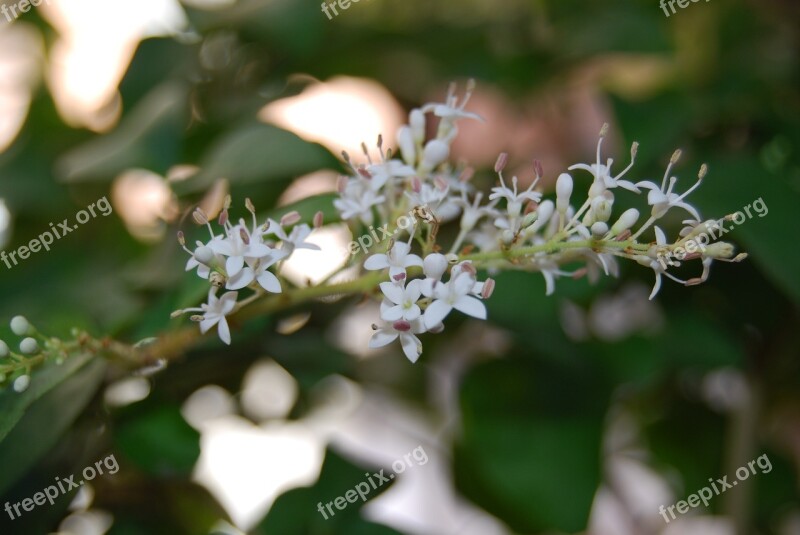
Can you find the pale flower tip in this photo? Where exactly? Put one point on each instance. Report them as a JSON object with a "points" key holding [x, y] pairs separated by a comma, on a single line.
{"points": [[500, 164], [176, 314], [228, 201], [346, 156], [181, 238], [538, 168], [694, 281], [488, 288], [466, 174], [580, 273], [739, 257], [291, 218], [634, 149], [319, 219], [604, 130], [249, 205], [452, 258], [223, 217], [703, 172], [471, 84], [676, 156], [200, 216], [380, 141]]}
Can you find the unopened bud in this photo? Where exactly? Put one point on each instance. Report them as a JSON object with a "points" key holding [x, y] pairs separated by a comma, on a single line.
{"points": [[416, 120], [29, 346], [599, 229], [530, 219], [625, 221], [4, 350], [436, 151], [602, 206], [563, 192], [719, 250], [205, 255], [435, 264], [20, 326], [21, 383]]}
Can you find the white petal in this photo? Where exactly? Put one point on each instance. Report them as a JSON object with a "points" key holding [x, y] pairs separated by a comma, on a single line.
{"points": [[234, 265], [224, 331], [208, 322], [656, 286], [394, 292], [376, 261], [412, 347], [392, 313], [471, 307], [227, 302], [549, 281], [242, 279], [223, 247], [412, 313], [382, 338], [395, 271], [436, 312], [661, 238], [414, 290], [269, 282], [412, 260]]}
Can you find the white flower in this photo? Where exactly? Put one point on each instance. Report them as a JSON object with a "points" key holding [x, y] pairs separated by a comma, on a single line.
{"points": [[257, 270], [214, 313], [405, 330], [452, 110], [473, 212], [204, 269], [454, 295], [400, 302], [383, 172], [513, 197], [662, 198], [602, 173], [238, 246], [357, 200], [397, 260], [296, 239], [656, 265]]}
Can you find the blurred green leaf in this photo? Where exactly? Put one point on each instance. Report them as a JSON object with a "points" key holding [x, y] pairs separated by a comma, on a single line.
{"points": [[58, 399], [159, 440]]}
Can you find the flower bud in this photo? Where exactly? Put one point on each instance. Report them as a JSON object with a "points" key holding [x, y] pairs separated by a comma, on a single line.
{"points": [[625, 221], [436, 152], [530, 219], [20, 325], [405, 140], [204, 255], [563, 192], [719, 250], [599, 229], [4, 351], [545, 211], [602, 206], [434, 265], [416, 120], [22, 383], [28, 346]]}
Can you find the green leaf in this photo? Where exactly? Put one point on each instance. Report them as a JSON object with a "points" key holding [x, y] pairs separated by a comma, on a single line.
{"points": [[296, 512], [531, 456], [159, 441], [13, 405], [148, 137], [259, 153], [55, 406]]}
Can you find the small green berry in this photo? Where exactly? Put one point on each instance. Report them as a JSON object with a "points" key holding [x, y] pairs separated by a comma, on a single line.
{"points": [[29, 346], [21, 383], [4, 351]]}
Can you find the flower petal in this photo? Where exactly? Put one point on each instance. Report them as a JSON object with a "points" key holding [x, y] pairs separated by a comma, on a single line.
{"points": [[376, 261], [392, 313], [269, 282], [224, 331], [471, 307], [381, 338], [241, 279], [234, 265], [412, 347], [394, 292], [435, 313]]}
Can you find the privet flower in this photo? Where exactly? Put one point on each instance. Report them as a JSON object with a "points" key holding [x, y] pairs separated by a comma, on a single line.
{"points": [[421, 281]]}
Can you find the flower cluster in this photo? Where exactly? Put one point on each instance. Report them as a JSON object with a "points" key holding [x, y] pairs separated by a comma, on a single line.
{"points": [[239, 258], [401, 314], [511, 228]]}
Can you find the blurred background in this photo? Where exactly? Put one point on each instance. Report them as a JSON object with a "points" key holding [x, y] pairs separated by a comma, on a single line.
{"points": [[582, 412]]}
